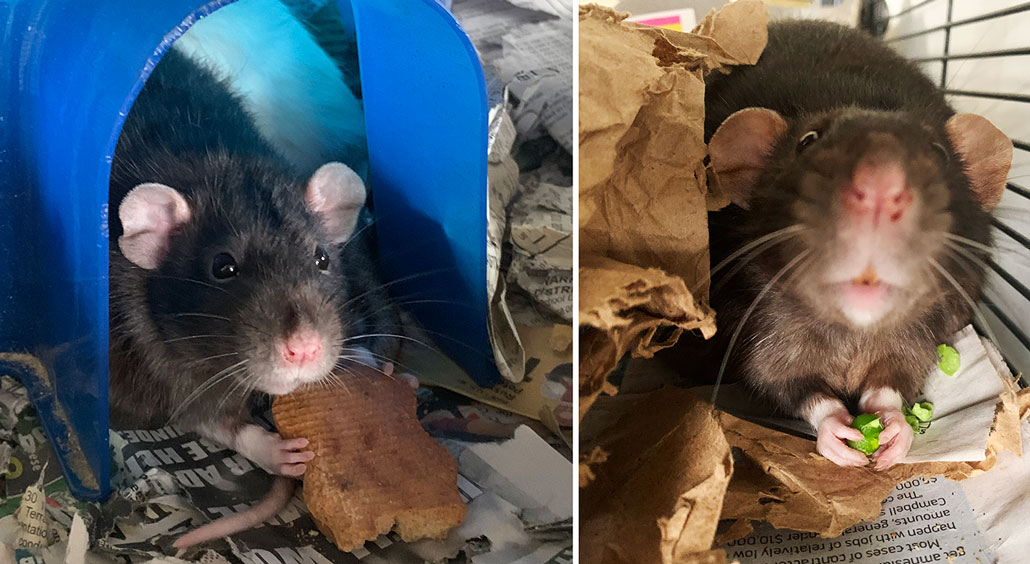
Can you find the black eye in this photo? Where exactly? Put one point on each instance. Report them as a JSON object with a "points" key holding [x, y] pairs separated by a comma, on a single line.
{"points": [[224, 267], [321, 258], [807, 139], [941, 152]]}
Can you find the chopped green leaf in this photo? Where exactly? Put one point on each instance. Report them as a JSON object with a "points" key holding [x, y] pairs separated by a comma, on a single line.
{"points": [[950, 360], [922, 410], [870, 426], [913, 422], [918, 416]]}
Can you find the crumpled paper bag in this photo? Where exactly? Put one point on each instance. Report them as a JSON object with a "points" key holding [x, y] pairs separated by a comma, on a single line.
{"points": [[659, 504], [780, 479], [643, 196]]}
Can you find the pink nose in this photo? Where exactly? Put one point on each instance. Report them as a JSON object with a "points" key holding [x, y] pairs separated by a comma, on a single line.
{"points": [[880, 189], [302, 347]]}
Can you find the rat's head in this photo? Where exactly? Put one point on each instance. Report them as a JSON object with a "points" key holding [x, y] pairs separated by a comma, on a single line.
{"points": [[869, 203], [243, 279]]}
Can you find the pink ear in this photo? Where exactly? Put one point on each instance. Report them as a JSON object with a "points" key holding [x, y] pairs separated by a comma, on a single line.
{"points": [[336, 193], [986, 153], [150, 213], [740, 147]]}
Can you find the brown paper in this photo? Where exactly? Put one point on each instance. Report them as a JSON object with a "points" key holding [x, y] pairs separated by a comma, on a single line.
{"points": [[780, 479], [658, 497], [643, 190]]}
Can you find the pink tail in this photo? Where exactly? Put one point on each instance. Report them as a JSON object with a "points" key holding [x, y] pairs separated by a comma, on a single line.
{"points": [[274, 500]]}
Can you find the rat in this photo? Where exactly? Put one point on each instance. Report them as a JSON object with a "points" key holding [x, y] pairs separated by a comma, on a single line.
{"points": [[859, 217], [233, 275]]}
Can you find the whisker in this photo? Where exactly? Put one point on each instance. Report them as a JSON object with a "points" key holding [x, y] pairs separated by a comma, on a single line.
{"points": [[424, 344], [785, 232], [207, 358], [194, 281], [965, 296], [747, 314], [177, 339], [750, 257], [206, 385], [203, 315]]}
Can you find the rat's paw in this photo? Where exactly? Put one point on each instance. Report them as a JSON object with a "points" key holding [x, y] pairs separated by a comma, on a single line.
{"points": [[289, 457], [895, 439], [833, 431], [282, 457]]}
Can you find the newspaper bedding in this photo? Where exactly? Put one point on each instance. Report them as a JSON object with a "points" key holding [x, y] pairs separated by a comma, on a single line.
{"points": [[167, 482], [526, 50]]}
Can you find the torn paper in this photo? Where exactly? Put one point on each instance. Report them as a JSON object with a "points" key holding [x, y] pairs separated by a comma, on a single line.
{"points": [[644, 197], [541, 236], [502, 185], [780, 479], [658, 497], [536, 63], [925, 518]]}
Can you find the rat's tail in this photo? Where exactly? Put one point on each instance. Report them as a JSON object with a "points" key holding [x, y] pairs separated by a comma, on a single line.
{"points": [[274, 500]]}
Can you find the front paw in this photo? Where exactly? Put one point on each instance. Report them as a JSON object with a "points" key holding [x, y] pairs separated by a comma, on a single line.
{"points": [[895, 439], [833, 431], [276, 455]]}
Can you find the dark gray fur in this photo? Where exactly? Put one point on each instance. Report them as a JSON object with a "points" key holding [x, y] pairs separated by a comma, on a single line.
{"points": [[846, 84], [188, 131]]}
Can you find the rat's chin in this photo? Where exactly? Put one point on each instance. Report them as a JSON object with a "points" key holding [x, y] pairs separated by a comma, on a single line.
{"points": [[279, 387], [864, 304]]}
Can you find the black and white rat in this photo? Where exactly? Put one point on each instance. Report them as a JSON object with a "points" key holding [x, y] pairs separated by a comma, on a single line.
{"points": [[232, 274], [860, 207]]}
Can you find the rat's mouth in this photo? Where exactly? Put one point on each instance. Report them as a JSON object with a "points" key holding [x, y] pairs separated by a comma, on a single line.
{"points": [[864, 299]]}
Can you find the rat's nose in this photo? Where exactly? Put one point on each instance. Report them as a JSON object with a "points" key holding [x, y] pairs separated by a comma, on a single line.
{"points": [[878, 188], [302, 347]]}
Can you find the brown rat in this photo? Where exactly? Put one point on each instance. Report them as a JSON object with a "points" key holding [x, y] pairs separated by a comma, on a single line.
{"points": [[231, 275], [858, 197]]}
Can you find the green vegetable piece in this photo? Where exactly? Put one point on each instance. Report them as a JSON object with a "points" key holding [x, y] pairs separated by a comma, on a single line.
{"points": [[950, 360], [870, 426], [922, 410], [913, 422]]}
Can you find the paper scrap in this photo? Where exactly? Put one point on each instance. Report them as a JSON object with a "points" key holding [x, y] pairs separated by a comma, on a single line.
{"points": [[536, 64], [1001, 511], [621, 308], [525, 471], [32, 518], [658, 497], [541, 236], [502, 185]]}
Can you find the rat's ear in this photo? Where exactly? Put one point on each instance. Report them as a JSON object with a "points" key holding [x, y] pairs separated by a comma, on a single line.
{"points": [[149, 214], [739, 149], [986, 155], [336, 194]]}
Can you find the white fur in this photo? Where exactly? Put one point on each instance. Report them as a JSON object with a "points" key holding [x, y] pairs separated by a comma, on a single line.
{"points": [[820, 409], [880, 398], [291, 87]]}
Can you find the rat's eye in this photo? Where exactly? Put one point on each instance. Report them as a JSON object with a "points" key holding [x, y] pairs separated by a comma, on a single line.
{"points": [[224, 267], [941, 152], [807, 139], [321, 258]]}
